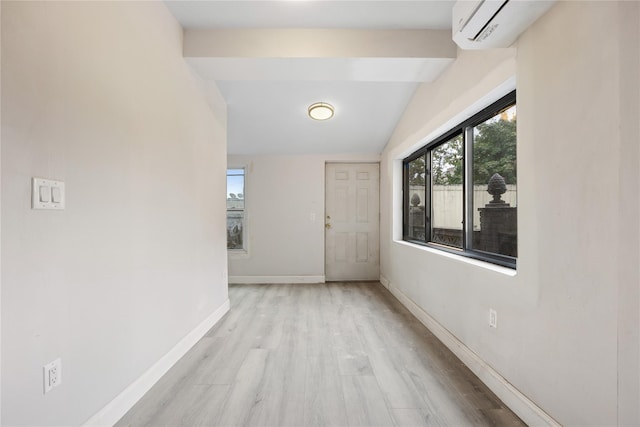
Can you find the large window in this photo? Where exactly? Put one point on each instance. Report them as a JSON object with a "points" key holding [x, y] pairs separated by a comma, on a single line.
{"points": [[235, 209], [460, 189]]}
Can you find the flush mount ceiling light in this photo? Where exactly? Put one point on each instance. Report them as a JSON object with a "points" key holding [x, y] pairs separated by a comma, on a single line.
{"points": [[321, 111]]}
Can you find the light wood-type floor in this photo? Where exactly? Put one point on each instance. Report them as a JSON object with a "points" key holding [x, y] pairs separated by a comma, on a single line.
{"points": [[335, 354]]}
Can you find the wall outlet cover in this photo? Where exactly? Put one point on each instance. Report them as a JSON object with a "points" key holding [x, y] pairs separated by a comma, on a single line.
{"points": [[52, 375], [493, 318]]}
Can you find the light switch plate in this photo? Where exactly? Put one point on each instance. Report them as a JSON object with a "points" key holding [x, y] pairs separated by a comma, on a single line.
{"points": [[54, 188]]}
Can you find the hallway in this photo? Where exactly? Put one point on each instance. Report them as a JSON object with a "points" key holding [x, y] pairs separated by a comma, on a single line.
{"points": [[334, 354]]}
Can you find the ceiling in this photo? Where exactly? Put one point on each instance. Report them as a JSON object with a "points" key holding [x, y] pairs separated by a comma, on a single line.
{"points": [[272, 59], [394, 14]]}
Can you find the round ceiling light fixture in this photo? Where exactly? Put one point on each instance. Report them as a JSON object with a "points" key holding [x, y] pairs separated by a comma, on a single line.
{"points": [[321, 111]]}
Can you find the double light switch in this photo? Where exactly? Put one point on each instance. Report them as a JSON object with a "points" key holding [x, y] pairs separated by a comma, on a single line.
{"points": [[47, 194]]}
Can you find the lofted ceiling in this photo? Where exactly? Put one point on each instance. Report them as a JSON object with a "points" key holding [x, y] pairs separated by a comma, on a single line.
{"points": [[272, 59]]}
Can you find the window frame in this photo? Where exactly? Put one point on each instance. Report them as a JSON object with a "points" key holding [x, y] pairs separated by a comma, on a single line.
{"points": [[244, 250], [465, 129]]}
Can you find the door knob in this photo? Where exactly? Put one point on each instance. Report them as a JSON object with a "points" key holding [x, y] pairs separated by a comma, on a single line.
{"points": [[327, 225]]}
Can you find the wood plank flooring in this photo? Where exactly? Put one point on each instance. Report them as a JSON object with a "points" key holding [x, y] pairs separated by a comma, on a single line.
{"points": [[335, 354]]}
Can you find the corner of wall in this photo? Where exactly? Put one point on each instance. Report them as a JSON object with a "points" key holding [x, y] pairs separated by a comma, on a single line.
{"points": [[520, 404], [121, 404]]}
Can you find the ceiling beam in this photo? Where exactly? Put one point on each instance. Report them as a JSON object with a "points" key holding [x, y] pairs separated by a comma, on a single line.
{"points": [[320, 69], [318, 43]]}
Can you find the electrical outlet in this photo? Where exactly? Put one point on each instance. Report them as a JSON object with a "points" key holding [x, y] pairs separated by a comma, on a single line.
{"points": [[52, 374], [493, 318]]}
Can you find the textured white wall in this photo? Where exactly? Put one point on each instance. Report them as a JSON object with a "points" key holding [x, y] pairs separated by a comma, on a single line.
{"points": [[281, 193], [559, 319], [97, 94]]}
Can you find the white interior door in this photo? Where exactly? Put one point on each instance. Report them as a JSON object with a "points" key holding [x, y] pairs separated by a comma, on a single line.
{"points": [[352, 221]]}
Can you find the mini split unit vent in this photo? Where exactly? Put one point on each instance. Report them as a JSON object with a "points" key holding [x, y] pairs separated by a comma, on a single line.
{"points": [[487, 24]]}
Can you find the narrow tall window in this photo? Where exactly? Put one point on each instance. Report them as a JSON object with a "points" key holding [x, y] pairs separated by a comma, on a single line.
{"points": [[494, 184], [415, 208], [446, 193], [235, 209], [460, 189]]}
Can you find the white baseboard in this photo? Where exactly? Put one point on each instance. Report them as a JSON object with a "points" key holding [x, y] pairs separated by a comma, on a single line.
{"points": [[384, 281], [520, 404], [275, 279], [119, 406]]}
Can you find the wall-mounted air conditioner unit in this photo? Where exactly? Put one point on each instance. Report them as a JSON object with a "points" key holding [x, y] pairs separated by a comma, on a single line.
{"points": [[487, 24]]}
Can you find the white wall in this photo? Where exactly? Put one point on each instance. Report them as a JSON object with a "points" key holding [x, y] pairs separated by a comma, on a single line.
{"points": [[282, 194], [0, 227], [97, 94], [560, 315], [629, 218]]}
